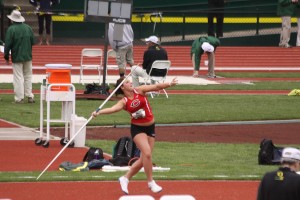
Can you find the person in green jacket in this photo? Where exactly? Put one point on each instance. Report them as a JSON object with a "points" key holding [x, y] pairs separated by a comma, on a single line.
{"points": [[285, 9], [203, 45], [19, 40]]}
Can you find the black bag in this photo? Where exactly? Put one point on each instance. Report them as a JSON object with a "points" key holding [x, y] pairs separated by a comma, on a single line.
{"points": [[124, 151], [98, 164], [96, 89], [93, 153], [269, 154]]}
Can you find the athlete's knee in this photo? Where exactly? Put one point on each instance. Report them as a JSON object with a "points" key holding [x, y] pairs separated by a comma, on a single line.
{"points": [[147, 155]]}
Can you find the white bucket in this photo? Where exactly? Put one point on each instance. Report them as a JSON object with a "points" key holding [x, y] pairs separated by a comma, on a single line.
{"points": [[76, 124]]}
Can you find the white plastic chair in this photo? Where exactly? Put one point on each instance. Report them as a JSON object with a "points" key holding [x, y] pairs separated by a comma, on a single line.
{"points": [[111, 54], [109, 65], [177, 197], [160, 65], [1, 48], [92, 59], [136, 197]]}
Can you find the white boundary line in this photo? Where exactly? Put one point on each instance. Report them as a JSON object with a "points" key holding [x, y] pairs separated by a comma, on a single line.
{"points": [[190, 68]]}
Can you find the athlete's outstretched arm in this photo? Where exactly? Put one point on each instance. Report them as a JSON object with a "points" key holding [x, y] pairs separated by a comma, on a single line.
{"points": [[156, 87], [115, 108]]}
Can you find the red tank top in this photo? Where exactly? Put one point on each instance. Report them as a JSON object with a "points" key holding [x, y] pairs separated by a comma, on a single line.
{"points": [[139, 102]]}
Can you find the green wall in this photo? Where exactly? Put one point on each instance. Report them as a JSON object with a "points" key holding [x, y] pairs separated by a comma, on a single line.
{"points": [[175, 5], [233, 8]]}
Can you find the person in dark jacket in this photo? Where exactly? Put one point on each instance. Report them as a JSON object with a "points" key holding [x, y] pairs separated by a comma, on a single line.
{"points": [[44, 8], [153, 53], [1, 7], [215, 9], [284, 183], [18, 43], [203, 45]]}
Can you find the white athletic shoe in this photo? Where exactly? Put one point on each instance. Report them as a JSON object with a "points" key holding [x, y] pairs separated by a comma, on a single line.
{"points": [[154, 187], [124, 184]]}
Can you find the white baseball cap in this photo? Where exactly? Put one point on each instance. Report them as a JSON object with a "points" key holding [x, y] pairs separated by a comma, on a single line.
{"points": [[16, 16], [290, 154], [152, 39], [207, 47]]}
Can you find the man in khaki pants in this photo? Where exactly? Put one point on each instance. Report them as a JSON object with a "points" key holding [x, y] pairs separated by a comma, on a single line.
{"points": [[19, 40], [123, 47], [285, 10], [203, 45]]}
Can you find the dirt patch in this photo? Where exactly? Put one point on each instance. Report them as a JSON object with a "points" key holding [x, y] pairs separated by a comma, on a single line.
{"points": [[286, 133]]}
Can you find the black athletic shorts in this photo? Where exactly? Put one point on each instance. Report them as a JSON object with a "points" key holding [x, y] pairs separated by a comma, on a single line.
{"points": [[149, 130]]}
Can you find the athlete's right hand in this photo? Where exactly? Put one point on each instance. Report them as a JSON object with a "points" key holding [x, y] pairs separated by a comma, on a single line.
{"points": [[95, 114]]}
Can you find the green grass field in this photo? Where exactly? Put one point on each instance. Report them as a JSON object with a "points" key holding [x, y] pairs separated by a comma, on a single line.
{"points": [[176, 109], [188, 161]]}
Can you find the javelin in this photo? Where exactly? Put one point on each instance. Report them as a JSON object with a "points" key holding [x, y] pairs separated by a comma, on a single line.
{"points": [[84, 125]]}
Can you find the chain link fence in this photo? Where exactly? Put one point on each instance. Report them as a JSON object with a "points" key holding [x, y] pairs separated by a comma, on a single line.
{"points": [[171, 27]]}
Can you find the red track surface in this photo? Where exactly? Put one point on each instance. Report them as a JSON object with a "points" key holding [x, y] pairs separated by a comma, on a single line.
{"points": [[230, 57], [180, 56], [4, 124], [102, 190]]}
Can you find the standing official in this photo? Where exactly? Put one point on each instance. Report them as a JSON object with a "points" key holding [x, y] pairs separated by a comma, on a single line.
{"points": [[44, 7], [215, 9], [123, 47], [285, 9], [19, 40]]}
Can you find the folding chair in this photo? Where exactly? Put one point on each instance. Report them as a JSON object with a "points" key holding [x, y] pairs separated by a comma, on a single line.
{"points": [[91, 58], [111, 54], [160, 65], [111, 57], [2, 49]]}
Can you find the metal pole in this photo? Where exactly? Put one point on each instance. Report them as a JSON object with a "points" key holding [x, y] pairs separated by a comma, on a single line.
{"points": [[183, 27], [257, 21], [105, 57]]}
